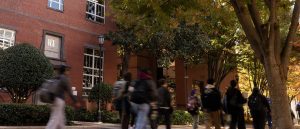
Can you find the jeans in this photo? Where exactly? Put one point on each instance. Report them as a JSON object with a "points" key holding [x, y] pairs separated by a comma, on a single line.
{"points": [[142, 111], [57, 117]]}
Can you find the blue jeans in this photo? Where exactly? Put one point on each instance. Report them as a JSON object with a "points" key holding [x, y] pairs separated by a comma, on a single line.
{"points": [[142, 111]]}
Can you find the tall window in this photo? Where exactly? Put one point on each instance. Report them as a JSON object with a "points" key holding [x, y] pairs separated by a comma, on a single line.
{"points": [[92, 69], [53, 45], [7, 38], [95, 10], [56, 4]]}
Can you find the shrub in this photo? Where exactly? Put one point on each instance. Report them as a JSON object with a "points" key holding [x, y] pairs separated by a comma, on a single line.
{"points": [[110, 117], [105, 96], [180, 117], [23, 68], [84, 115], [25, 114], [106, 116]]}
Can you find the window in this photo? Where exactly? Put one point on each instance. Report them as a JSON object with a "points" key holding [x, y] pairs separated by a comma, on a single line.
{"points": [[7, 38], [95, 10], [92, 69], [56, 4], [52, 46]]}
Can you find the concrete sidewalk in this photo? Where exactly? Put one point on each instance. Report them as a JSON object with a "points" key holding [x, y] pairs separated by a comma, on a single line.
{"points": [[96, 125]]}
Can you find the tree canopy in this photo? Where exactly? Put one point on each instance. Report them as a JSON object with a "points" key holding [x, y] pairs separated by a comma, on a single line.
{"points": [[23, 68]]}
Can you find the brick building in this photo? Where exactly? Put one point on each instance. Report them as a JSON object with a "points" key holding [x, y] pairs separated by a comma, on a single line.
{"points": [[67, 32]]}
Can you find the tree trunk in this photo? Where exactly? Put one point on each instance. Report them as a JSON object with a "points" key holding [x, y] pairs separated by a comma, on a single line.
{"points": [[125, 63], [281, 114]]}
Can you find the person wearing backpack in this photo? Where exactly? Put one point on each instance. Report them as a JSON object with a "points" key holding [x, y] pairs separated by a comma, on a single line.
{"points": [[193, 108], [211, 101], [143, 95], [121, 99], [259, 107], [235, 101], [57, 117]]}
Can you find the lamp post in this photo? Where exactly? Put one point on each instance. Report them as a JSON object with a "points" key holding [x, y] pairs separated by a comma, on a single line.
{"points": [[101, 43]]}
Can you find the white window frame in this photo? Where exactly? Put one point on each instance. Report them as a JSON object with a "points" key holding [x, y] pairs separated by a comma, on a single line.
{"points": [[60, 4], [94, 14], [46, 42], [86, 87], [10, 41]]}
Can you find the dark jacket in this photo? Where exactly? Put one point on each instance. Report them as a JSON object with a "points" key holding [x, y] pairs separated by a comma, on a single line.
{"points": [[164, 97], [266, 106], [211, 99], [234, 96], [64, 86]]}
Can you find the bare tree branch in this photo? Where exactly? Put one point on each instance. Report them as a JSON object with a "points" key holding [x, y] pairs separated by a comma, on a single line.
{"points": [[272, 19], [252, 7], [249, 29], [267, 2], [291, 34]]}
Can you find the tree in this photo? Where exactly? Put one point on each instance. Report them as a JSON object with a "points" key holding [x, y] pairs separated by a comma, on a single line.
{"points": [[102, 92], [251, 70], [127, 43], [293, 85], [263, 24], [23, 69]]}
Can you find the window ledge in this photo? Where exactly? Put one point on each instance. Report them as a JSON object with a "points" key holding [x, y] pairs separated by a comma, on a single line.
{"points": [[57, 10], [95, 21]]}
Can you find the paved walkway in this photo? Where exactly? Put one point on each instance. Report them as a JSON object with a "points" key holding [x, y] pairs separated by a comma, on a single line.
{"points": [[94, 125]]}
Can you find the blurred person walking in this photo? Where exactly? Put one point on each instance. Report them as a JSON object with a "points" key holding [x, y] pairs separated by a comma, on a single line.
{"points": [[164, 103], [235, 101], [259, 107], [143, 95], [211, 101], [57, 117]]}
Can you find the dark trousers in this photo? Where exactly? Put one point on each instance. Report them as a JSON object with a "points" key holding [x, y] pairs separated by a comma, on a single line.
{"points": [[126, 117], [126, 114], [259, 119], [237, 119], [166, 114]]}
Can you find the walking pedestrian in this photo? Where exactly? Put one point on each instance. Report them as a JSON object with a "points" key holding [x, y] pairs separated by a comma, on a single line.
{"points": [[235, 101], [193, 108], [164, 103], [143, 95], [211, 101], [298, 111], [57, 117], [259, 107], [124, 99]]}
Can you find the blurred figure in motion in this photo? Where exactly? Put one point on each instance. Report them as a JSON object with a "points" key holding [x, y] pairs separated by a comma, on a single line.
{"points": [[57, 117], [259, 107], [143, 95], [164, 103]]}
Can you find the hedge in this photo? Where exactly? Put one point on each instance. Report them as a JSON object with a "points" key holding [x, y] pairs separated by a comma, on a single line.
{"points": [[26, 114]]}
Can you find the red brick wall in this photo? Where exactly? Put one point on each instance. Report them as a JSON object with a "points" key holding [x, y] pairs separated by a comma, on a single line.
{"points": [[194, 72], [29, 18]]}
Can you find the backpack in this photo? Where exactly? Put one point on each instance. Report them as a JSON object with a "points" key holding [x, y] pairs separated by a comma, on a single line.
{"points": [[298, 107], [256, 103], [192, 105], [118, 88], [211, 99], [141, 93], [48, 90]]}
